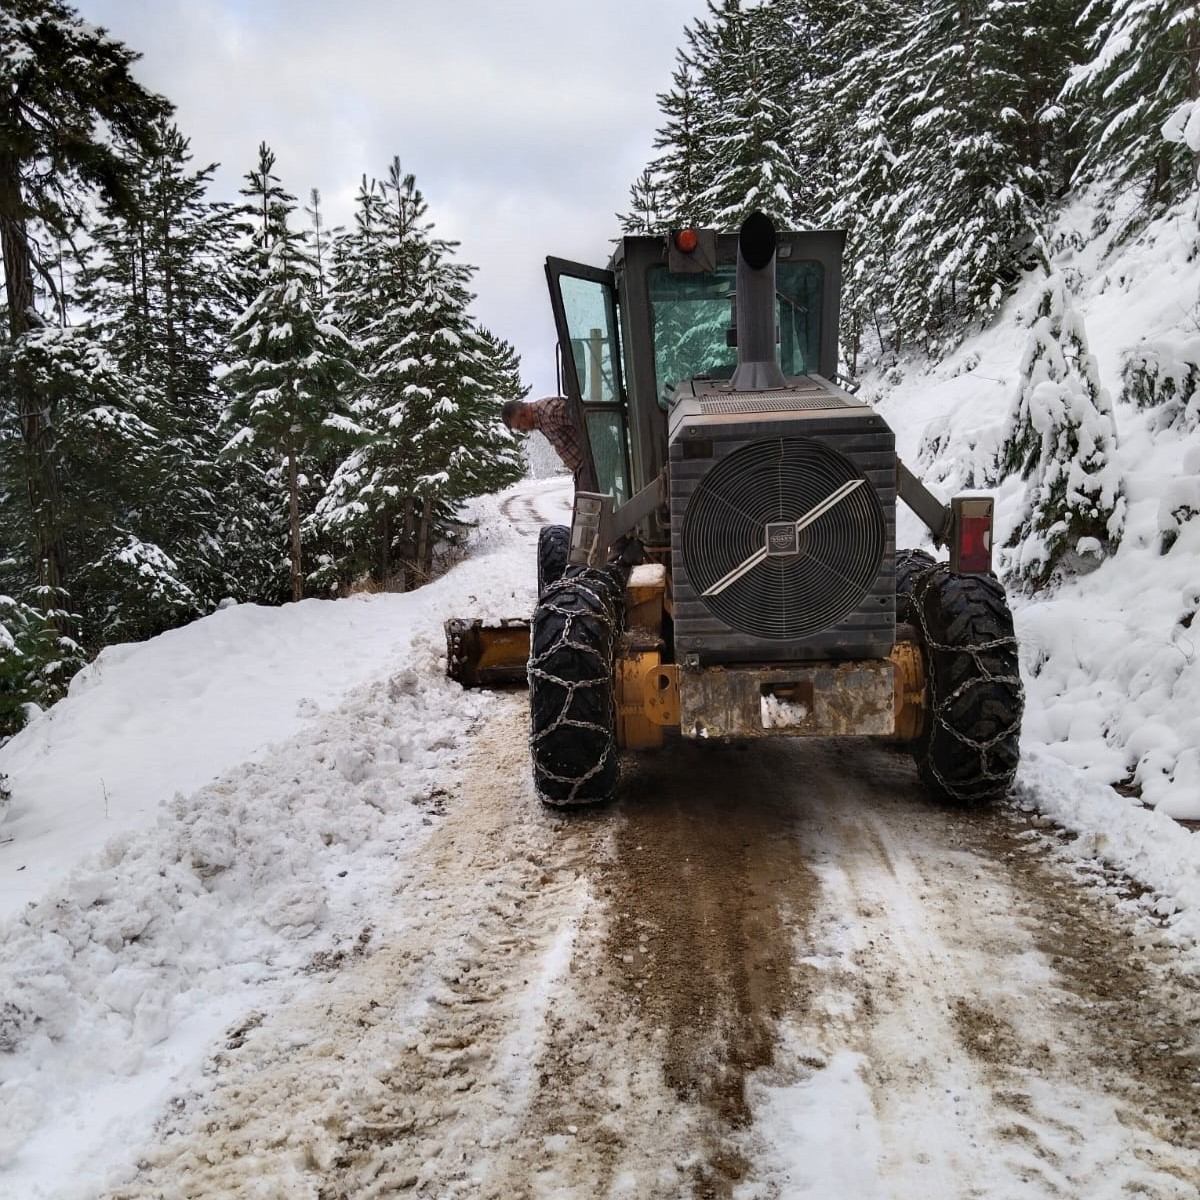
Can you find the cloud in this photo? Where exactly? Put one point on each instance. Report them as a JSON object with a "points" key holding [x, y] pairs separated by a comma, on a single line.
{"points": [[523, 122]]}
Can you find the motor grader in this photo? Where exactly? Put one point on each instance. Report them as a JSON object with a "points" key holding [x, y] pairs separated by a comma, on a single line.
{"points": [[731, 569]]}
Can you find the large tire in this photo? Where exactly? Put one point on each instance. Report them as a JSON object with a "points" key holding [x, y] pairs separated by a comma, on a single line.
{"points": [[968, 749], [554, 544], [910, 566], [572, 713]]}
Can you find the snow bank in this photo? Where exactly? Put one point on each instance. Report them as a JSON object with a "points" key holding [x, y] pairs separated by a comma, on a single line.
{"points": [[146, 720], [1141, 842], [149, 719], [127, 971]]}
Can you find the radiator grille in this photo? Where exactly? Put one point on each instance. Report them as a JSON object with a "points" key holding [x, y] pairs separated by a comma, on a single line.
{"points": [[782, 480]]}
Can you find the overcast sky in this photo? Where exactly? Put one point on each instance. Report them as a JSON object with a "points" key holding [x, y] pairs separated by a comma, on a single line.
{"points": [[524, 121]]}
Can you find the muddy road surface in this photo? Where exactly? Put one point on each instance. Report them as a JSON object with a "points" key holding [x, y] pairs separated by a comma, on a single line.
{"points": [[775, 971]]}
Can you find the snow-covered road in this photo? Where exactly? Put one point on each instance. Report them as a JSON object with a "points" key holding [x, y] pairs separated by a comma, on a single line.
{"points": [[766, 972]]}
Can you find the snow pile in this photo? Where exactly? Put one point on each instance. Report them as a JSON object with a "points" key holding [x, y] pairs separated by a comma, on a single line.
{"points": [[1143, 843], [148, 719], [218, 900], [779, 713], [1110, 658]]}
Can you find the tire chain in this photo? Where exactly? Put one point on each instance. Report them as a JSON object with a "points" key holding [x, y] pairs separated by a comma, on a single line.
{"points": [[604, 587], [982, 675]]}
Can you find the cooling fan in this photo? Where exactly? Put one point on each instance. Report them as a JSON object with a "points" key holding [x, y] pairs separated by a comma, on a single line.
{"points": [[783, 538]]}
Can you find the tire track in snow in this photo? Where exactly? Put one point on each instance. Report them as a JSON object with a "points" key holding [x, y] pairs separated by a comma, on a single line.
{"points": [[708, 883], [993, 1029], [529, 511], [463, 1058], [767, 972]]}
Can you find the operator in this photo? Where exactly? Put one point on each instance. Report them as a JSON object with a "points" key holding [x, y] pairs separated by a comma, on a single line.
{"points": [[551, 417]]}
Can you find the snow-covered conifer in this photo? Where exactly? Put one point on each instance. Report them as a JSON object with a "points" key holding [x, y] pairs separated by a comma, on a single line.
{"points": [[682, 167], [749, 128], [72, 115], [368, 508], [1163, 375], [291, 369], [846, 132], [154, 291], [645, 206], [1140, 94], [973, 90], [318, 239], [1062, 440]]}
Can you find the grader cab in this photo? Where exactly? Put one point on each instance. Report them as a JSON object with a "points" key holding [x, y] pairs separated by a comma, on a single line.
{"points": [[731, 568]]}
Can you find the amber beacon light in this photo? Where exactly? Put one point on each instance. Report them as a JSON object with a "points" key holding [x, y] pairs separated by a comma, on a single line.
{"points": [[686, 240]]}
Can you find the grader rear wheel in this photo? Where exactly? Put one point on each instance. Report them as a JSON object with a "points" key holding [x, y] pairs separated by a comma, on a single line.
{"points": [[968, 749], [573, 638]]}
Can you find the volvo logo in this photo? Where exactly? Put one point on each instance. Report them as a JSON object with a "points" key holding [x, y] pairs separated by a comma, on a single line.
{"points": [[783, 538]]}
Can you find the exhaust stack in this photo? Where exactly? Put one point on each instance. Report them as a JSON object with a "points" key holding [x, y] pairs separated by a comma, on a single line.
{"points": [[758, 357]]}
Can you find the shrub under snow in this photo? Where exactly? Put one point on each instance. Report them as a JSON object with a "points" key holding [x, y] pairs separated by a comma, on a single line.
{"points": [[1164, 375], [1061, 439]]}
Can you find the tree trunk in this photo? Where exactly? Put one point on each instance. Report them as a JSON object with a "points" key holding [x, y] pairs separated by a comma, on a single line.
{"points": [[425, 545], [173, 389], [878, 329], [41, 477], [385, 556], [294, 505], [408, 576]]}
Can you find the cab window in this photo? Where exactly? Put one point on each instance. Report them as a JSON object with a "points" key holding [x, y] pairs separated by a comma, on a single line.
{"points": [[692, 313]]}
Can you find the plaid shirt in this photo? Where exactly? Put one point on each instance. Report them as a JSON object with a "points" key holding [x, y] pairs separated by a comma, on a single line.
{"points": [[552, 418]]}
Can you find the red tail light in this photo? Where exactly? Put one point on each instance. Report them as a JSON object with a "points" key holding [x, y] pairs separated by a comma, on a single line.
{"points": [[971, 542]]}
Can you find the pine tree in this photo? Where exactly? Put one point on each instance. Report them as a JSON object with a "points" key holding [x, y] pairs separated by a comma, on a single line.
{"points": [[1139, 91], [432, 384], [71, 114], [120, 586], [682, 170], [151, 286], [751, 134], [1062, 440], [847, 136], [972, 93], [645, 206], [291, 367], [370, 507], [36, 663], [318, 240], [443, 410], [726, 145]]}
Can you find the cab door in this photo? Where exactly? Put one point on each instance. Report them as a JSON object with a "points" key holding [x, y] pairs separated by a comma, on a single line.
{"points": [[584, 300]]}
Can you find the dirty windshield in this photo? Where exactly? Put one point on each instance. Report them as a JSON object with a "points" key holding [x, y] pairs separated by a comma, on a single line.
{"points": [[693, 312]]}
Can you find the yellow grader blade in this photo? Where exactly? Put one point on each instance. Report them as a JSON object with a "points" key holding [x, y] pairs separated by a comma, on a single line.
{"points": [[479, 655]]}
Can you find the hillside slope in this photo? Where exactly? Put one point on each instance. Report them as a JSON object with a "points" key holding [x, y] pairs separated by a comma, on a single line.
{"points": [[1111, 659]]}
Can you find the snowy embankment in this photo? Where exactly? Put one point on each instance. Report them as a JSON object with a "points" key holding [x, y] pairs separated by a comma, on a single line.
{"points": [[202, 816], [1111, 660]]}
